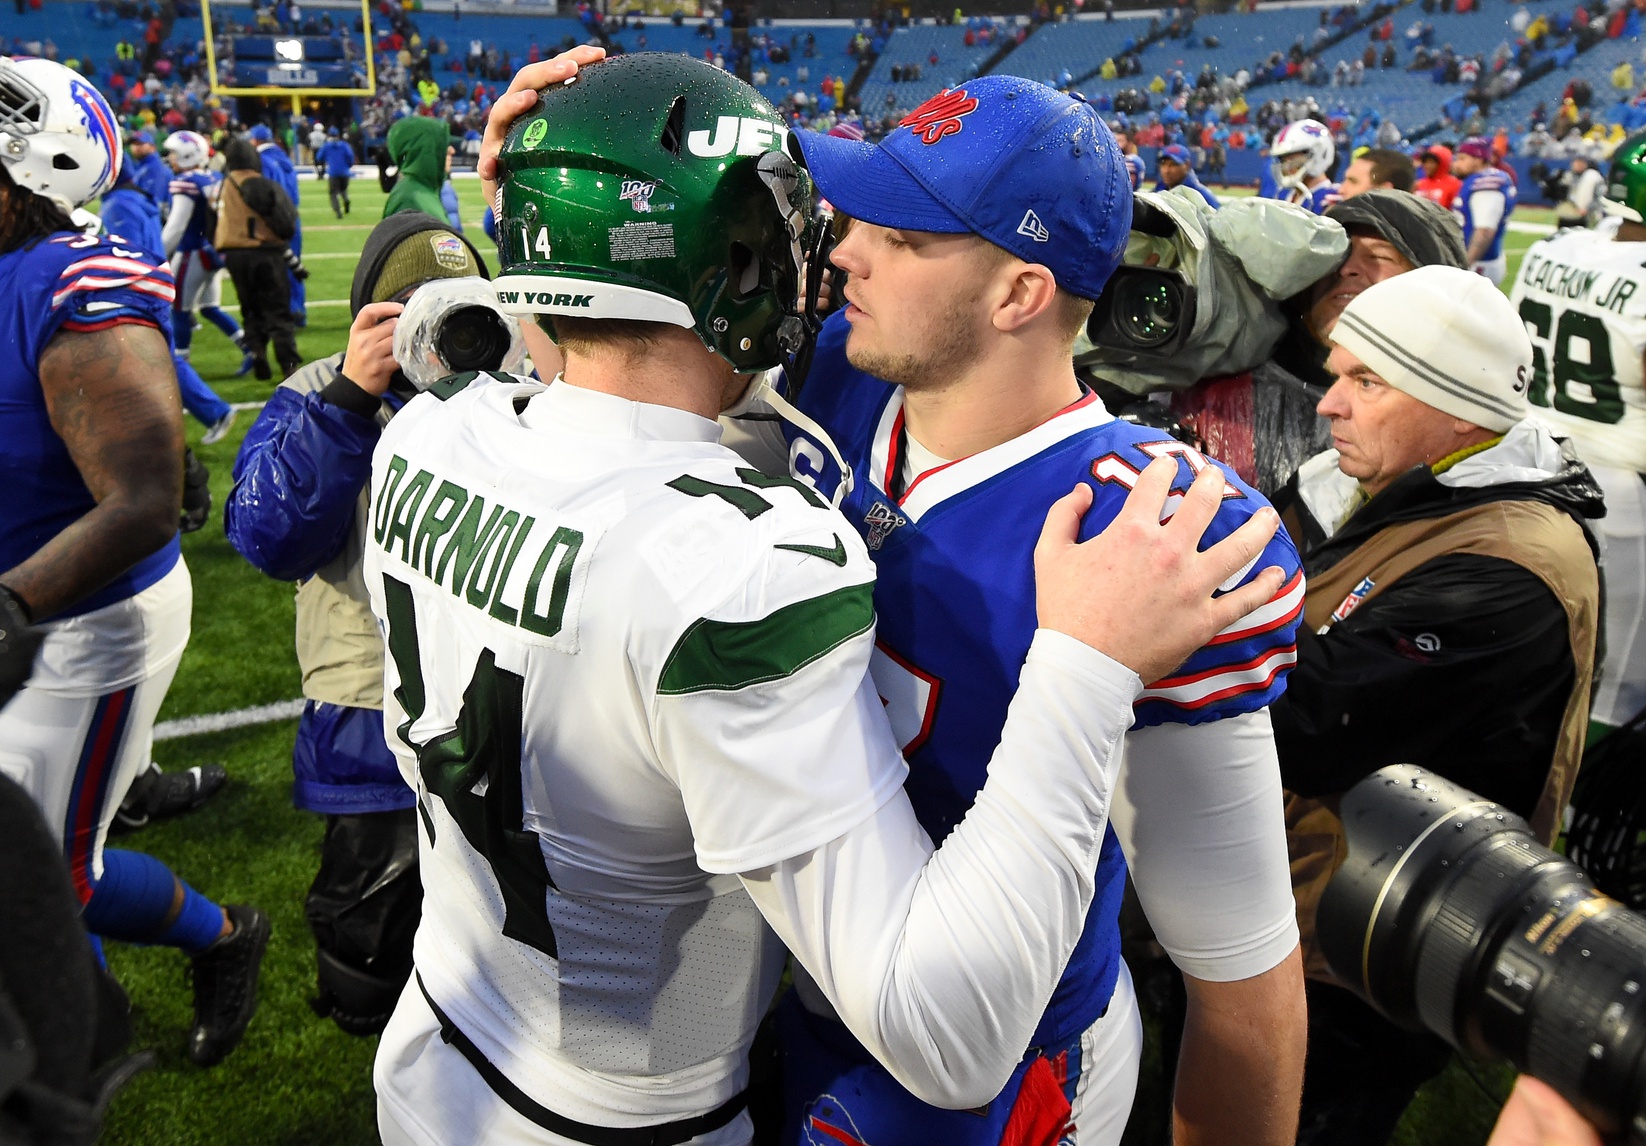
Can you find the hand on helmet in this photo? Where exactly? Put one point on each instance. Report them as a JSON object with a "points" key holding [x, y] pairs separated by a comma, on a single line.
{"points": [[520, 99]]}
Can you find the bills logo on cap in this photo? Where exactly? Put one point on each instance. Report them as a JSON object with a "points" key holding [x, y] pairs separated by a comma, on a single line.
{"points": [[939, 116], [449, 251]]}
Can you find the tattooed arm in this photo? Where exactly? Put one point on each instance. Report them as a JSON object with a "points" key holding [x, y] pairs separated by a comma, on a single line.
{"points": [[112, 397]]}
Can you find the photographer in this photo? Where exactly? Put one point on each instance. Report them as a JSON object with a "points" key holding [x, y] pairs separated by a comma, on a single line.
{"points": [[1577, 194], [255, 221], [1449, 568], [298, 512]]}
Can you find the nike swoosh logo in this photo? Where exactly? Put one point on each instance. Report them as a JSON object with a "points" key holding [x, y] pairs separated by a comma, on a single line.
{"points": [[834, 556]]}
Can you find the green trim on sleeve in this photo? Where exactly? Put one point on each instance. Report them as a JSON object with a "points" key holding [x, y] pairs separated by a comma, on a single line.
{"points": [[723, 656]]}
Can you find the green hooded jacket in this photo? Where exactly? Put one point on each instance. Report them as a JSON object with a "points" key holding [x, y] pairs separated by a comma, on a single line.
{"points": [[417, 145]]}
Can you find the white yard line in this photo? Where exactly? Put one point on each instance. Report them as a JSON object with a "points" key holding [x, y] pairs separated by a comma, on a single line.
{"points": [[223, 721], [1532, 228]]}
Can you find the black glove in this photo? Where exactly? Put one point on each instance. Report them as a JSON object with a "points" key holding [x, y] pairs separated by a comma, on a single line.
{"points": [[196, 493], [18, 641]]}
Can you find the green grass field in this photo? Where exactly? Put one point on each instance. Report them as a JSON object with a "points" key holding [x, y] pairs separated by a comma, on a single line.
{"points": [[296, 1079]]}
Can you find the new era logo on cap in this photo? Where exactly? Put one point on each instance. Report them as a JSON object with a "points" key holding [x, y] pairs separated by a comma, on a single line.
{"points": [[939, 116], [1033, 227]]}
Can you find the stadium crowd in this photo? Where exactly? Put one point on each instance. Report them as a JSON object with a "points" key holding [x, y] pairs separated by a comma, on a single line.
{"points": [[600, 746]]}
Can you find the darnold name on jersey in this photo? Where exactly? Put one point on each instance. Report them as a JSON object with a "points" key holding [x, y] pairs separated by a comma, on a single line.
{"points": [[519, 571], [1566, 281]]}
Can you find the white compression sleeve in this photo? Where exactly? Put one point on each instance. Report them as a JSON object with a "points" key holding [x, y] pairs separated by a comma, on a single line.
{"points": [[1200, 814], [1486, 209], [182, 210], [941, 963]]}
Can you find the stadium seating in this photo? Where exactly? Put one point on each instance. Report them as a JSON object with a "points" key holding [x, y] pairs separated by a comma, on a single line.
{"points": [[914, 45]]}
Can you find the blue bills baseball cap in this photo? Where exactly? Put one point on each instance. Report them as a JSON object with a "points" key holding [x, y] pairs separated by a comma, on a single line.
{"points": [[1177, 153], [261, 133], [144, 137], [1029, 169]]}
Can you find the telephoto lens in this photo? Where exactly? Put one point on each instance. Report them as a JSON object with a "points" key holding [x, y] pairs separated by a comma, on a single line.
{"points": [[1144, 311], [473, 338], [1448, 916]]}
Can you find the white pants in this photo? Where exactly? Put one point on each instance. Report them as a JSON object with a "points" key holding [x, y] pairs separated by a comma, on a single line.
{"points": [[81, 728], [1620, 693], [197, 284], [1494, 269], [428, 1094], [1110, 1052]]}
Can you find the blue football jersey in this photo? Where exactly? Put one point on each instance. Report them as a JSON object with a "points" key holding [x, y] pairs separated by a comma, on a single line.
{"points": [[955, 603], [200, 188], [1135, 171], [1316, 200], [1490, 179], [72, 282]]}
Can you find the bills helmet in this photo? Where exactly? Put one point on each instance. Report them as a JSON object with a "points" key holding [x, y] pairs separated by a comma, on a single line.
{"points": [[1300, 152], [187, 150], [58, 136], [659, 188], [1626, 184]]}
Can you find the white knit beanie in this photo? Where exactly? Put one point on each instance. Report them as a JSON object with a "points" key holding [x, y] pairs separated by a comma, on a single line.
{"points": [[1447, 337]]}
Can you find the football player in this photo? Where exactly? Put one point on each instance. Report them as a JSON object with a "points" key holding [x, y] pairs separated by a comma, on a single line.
{"points": [[1301, 161], [191, 223], [1582, 295], [1484, 203], [92, 465], [628, 677], [946, 300]]}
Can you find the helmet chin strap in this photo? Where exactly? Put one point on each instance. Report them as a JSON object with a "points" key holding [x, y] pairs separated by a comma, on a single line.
{"points": [[766, 392]]}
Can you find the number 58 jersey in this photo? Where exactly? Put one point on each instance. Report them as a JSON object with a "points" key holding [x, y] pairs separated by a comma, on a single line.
{"points": [[1582, 296], [623, 668]]}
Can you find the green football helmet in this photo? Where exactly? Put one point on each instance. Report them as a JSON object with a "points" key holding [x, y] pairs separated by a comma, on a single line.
{"points": [[1626, 183], [657, 187]]}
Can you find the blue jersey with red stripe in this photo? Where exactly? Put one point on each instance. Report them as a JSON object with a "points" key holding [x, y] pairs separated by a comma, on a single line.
{"points": [[955, 603], [1490, 181], [199, 188], [1134, 170], [70, 282]]}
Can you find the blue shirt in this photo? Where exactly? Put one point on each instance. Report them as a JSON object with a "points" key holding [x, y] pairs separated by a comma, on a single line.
{"points": [[154, 178], [1135, 170], [955, 604], [278, 169], [199, 187], [337, 156], [1317, 200], [1489, 180], [132, 219], [70, 282], [1192, 181]]}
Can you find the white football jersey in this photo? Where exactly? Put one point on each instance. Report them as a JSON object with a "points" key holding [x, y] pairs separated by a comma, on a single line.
{"points": [[1582, 296], [623, 667]]}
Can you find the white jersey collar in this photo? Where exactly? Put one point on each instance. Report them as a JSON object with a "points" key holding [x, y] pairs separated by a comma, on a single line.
{"points": [[936, 486], [574, 409]]}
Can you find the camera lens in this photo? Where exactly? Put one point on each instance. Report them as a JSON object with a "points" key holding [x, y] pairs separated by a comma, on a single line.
{"points": [[1447, 915], [472, 338], [1148, 311]]}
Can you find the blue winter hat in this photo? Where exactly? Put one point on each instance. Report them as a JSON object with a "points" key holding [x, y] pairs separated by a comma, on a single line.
{"points": [[1176, 153], [144, 137], [261, 133], [1025, 167]]}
